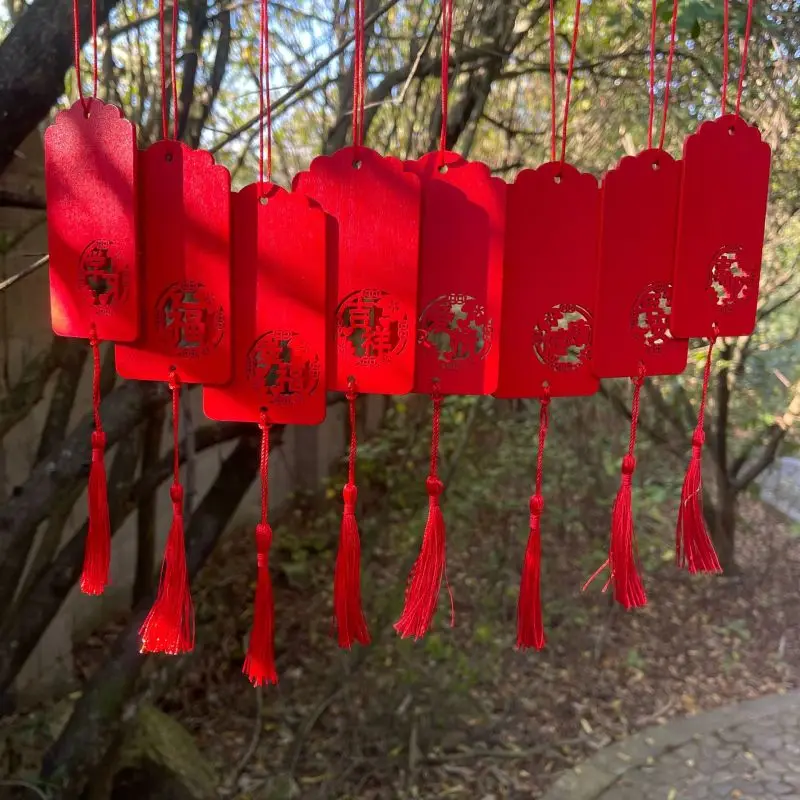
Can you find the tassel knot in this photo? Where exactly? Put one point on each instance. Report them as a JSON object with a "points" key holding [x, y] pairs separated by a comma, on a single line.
{"points": [[350, 496], [176, 495], [698, 440], [263, 543], [536, 506], [434, 488], [98, 443], [628, 467]]}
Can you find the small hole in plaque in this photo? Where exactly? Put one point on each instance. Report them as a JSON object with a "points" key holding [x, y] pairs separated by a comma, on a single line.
{"points": [[443, 169], [168, 157], [731, 131], [262, 410], [357, 163], [263, 200], [545, 384], [655, 165], [557, 178], [172, 368]]}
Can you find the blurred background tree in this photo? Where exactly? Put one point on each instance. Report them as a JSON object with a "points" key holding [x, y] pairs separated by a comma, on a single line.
{"points": [[499, 113]]}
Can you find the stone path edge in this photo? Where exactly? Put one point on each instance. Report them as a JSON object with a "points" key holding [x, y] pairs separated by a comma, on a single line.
{"points": [[591, 778]]}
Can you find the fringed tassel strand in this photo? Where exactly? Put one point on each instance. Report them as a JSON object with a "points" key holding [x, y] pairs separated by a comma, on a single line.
{"points": [[425, 580], [259, 665], [348, 611], [694, 550], [530, 628], [169, 627], [623, 553], [97, 555]]}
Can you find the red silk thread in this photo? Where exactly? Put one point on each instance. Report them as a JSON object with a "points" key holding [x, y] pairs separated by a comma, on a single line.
{"points": [[694, 550], [263, 96], [97, 554], [173, 53], [652, 79], [351, 625], [447, 33], [169, 627], [359, 80], [745, 47], [259, 664], [530, 627], [430, 568], [76, 40], [725, 65], [570, 70]]}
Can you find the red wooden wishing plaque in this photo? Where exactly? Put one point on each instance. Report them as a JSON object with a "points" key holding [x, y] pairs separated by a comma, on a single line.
{"points": [[373, 267], [723, 208], [461, 275], [550, 281], [185, 215], [90, 179], [637, 258], [278, 313]]}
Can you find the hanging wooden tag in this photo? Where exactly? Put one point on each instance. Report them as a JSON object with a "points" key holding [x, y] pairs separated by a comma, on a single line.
{"points": [[723, 208], [90, 181], [185, 216], [637, 258], [550, 281], [373, 267], [461, 275], [278, 312]]}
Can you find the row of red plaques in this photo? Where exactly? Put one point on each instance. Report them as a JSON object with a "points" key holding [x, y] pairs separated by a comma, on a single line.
{"points": [[391, 276]]}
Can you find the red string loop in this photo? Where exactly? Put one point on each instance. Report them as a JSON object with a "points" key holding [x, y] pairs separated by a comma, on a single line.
{"points": [[173, 52], [570, 71], [725, 57], [447, 33], [745, 48], [76, 36], [359, 81], [263, 97], [652, 79]]}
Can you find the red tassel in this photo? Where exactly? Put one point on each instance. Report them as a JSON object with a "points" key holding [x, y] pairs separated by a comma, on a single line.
{"points": [[259, 664], [530, 627], [169, 627], [348, 612], [694, 550], [425, 580], [350, 621], [623, 553], [97, 555]]}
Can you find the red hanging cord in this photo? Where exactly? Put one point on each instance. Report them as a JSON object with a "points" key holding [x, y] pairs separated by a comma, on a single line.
{"points": [[97, 554], [173, 51], [359, 82], [263, 97], [348, 611], [745, 47], [652, 84], [530, 628], [652, 79], [668, 81], [76, 40], [447, 33], [259, 665], [425, 579], [694, 550], [570, 70], [169, 627], [553, 123], [623, 553], [725, 37]]}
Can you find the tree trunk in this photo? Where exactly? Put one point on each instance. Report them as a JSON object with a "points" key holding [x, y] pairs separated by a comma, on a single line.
{"points": [[724, 532]]}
